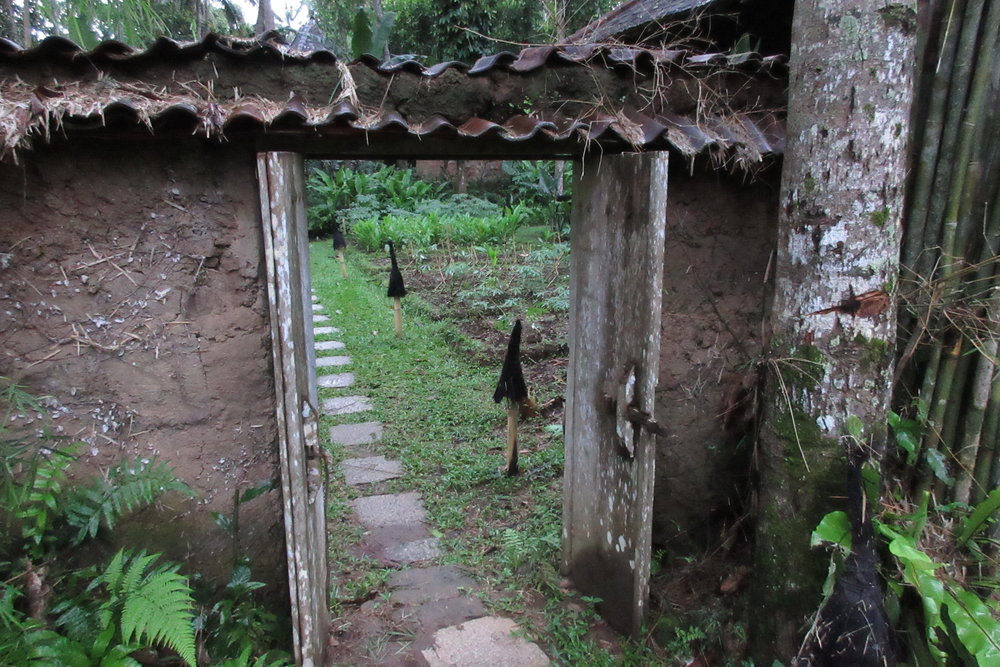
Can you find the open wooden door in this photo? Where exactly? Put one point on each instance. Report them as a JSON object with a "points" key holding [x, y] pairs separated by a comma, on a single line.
{"points": [[283, 212], [616, 272]]}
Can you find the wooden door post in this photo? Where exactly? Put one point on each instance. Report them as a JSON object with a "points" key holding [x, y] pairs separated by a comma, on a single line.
{"points": [[283, 215], [616, 272]]}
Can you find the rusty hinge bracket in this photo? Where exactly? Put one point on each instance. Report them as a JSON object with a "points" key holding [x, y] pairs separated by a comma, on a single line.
{"points": [[629, 419]]}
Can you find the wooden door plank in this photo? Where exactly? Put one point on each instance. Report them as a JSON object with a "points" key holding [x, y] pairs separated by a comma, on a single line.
{"points": [[616, 274], [283, 214]]}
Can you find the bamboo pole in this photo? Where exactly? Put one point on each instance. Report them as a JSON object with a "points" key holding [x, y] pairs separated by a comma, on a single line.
{"points": [[343, 263], [954, 409], [926, 165], [512, 409], [397, 307], [968, 454], [988, 271], [988, 461], [945, 197], [943, 380]]}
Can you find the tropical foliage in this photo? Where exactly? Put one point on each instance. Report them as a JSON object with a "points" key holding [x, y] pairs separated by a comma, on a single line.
{"points": [[54, 611], [135, 22]]}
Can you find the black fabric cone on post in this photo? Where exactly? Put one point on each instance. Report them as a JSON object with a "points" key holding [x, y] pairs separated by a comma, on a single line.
{"points": [[396, 288], [396, 291], [852, 628], [512, 387], [339, 242]]}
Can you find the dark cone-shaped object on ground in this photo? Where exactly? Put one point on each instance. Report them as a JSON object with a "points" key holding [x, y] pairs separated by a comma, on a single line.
{"points": [[339, 242], [512, 387], [851, 628], [396, 288]]}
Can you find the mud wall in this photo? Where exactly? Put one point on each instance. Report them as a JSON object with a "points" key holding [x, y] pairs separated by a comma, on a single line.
{"points": [[132, 297], [720, 233]]}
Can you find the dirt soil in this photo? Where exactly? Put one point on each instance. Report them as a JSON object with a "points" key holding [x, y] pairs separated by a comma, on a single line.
{"points": [[132, 300]]}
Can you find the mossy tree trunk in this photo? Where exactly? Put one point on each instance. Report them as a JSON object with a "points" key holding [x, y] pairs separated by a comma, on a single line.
{"points": [[839, 233]]}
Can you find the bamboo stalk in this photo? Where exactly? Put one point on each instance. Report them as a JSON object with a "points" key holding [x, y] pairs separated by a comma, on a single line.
{"points": [[926, 394], [343, 263], [965, 126], [942, 380], [955, 409], [397, 307], [940, 83], [512, 409], [968, 454], [987, 460]]}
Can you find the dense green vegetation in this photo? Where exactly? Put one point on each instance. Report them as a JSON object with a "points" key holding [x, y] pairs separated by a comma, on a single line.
{"points": [[57, 607], [391, 204]]}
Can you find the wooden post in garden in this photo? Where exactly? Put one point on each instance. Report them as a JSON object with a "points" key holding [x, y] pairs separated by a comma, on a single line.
{"points": [[397, 290], [513, 388], [339, 243], [616, 275]]}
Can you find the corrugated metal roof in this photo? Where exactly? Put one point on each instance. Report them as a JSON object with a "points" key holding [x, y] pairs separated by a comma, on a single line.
{"points": [[635, 13], [561, 100]]}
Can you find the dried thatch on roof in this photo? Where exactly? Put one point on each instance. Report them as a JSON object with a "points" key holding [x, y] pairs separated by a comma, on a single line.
{"points": [[540, 101]]}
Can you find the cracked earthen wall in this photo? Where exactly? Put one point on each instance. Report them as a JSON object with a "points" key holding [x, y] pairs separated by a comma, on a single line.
{"points": [[132, 298]]}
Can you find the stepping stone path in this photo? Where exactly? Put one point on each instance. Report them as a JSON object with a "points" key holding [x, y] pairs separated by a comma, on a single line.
{"points": [[436, 603]]}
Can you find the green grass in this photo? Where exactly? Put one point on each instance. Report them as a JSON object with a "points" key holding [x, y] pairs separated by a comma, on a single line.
{"points": [[439, 419]]}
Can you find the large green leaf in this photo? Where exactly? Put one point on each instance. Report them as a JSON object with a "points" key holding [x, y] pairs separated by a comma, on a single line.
{"points": [[834, 528], [980, 514]]}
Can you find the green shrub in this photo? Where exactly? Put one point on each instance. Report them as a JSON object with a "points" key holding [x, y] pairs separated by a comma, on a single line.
{"points": [[349, 195], [94, 617]]}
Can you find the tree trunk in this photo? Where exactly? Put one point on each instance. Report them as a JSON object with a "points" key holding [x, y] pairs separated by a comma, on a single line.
{"points": [[26, 9], [839, 232], [265, 17]]}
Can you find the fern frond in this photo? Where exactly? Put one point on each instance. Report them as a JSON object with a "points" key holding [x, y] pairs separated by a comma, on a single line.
{"points": [[161, 611], [157, 606], [129, 486], [41, 501]]}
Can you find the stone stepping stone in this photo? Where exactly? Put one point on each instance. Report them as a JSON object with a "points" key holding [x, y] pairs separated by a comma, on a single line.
{"points": [[483, 642], [351, 435], [315, 299], [371, 469], [430, 584], [336, 380], [317, 307], [390, 509], [329, 345], [345, 405], [326, 362], [320, 318], [319, 331], [415, 551]]}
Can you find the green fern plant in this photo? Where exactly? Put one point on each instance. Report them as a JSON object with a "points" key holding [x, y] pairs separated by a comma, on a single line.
{"points": [[153, 605], [126, 488]]}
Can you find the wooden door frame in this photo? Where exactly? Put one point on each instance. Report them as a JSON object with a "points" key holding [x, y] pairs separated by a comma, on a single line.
{"points": [[614, 195], [286, 255]]}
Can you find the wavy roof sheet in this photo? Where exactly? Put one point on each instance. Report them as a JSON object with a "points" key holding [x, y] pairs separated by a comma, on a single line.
{"points": [[541, 101]]}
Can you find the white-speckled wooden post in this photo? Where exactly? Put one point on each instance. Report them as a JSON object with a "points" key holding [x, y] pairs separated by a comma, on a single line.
{"points": [[283, 214], [619, 214]]}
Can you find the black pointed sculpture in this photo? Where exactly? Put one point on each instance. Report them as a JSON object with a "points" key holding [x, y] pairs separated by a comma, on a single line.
{"points": [[512, 387], [396, 289], [339, 243]]}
